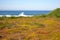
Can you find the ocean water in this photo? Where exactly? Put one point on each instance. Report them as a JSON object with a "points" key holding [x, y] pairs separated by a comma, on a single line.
{"points": [[25, 12]]}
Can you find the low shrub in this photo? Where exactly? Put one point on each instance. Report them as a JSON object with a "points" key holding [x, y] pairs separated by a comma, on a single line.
{"points": [[1, 18], [3, 25], [40, 25]]}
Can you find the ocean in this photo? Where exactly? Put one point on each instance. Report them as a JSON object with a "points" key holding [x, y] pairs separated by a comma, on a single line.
{"points": [[25, 12]]}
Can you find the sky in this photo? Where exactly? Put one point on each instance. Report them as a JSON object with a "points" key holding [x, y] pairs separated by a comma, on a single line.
{"points": [[29, 4]]}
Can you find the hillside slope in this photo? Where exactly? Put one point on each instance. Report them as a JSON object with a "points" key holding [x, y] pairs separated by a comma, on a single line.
{"points": [[55, 13]]}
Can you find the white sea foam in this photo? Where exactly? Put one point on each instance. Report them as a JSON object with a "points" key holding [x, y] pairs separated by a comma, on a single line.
{"points": [[21, 14]]}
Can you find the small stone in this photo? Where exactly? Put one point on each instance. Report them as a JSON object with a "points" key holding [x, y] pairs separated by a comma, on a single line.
{"points": [[0, 36]]}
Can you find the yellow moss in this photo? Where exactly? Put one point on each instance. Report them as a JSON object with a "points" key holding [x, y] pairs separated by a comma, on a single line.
{"points": [[49, 21]]}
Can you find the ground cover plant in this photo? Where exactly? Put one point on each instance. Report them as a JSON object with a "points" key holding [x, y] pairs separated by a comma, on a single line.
{"points": [[44, 27]]}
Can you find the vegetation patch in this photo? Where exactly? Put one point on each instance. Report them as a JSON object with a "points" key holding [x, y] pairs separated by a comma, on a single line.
{"points": [[41, 27]]}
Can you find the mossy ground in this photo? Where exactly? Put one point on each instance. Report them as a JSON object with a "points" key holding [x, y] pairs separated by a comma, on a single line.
{"points": [[30, 28]]}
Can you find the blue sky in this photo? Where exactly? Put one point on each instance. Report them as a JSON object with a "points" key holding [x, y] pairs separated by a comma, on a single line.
{"points": [[29, 4]]}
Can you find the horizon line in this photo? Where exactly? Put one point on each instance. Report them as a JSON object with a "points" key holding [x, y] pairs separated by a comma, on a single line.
{"points": [[25, 10]]}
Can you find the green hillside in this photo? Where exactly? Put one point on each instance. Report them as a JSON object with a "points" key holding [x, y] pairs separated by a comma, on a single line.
{"points": [[55, 13]]}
